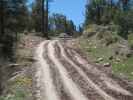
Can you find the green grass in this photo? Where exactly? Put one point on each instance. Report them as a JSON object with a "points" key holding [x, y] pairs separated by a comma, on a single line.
{"points": [[17, 94], [18, 89], [125, 67], [95, 50], [130, 40]]}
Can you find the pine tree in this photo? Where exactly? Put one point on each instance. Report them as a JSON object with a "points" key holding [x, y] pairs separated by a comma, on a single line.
{"points": [[60, 24], [37, 15], [17, 15], [71, 28], [13, 19], [2, 29]]}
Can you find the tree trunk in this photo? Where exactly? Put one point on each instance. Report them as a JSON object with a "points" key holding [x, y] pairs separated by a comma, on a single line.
{"points": [[45, 19], [43, 24], [46, 23], [2, 31]]}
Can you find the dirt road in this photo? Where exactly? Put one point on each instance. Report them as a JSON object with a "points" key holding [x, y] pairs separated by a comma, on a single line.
{"points": [[63, 74]]}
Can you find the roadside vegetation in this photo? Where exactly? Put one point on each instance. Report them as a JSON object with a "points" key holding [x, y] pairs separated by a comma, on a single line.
{"points": [[106, 47], [108, 34], [19, 83]]}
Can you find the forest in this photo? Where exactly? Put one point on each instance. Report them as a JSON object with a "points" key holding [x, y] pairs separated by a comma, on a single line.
{"points": [[104, 40]]}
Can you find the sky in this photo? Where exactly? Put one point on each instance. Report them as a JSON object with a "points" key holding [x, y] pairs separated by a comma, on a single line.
{"points": [[73, 9]]}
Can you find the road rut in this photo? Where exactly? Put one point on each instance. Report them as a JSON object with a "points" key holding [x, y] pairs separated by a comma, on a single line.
{"points": [[61, 71]]}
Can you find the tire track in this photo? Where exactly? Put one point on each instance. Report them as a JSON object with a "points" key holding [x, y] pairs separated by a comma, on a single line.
{"points": [[90, 82], [63, 74], [86, 89], [70, 86], [57, 79], [108, 84], [45, 82]]}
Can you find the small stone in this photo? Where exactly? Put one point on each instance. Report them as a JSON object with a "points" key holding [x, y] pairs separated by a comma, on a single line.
{"points": [[121, 74], [118, 59], [100, 59], [107, 65]]}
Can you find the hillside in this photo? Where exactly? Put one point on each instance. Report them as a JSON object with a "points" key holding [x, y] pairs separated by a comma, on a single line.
{"points": [[103, 46]]}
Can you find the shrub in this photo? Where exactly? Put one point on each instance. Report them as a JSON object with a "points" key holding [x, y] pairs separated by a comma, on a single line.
{"points": [[125, 21], [130, 40]]}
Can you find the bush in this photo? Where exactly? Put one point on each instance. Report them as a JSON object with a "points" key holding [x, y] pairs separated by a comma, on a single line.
{"points": [[130, 40], [125, 21], [107, 38]]}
